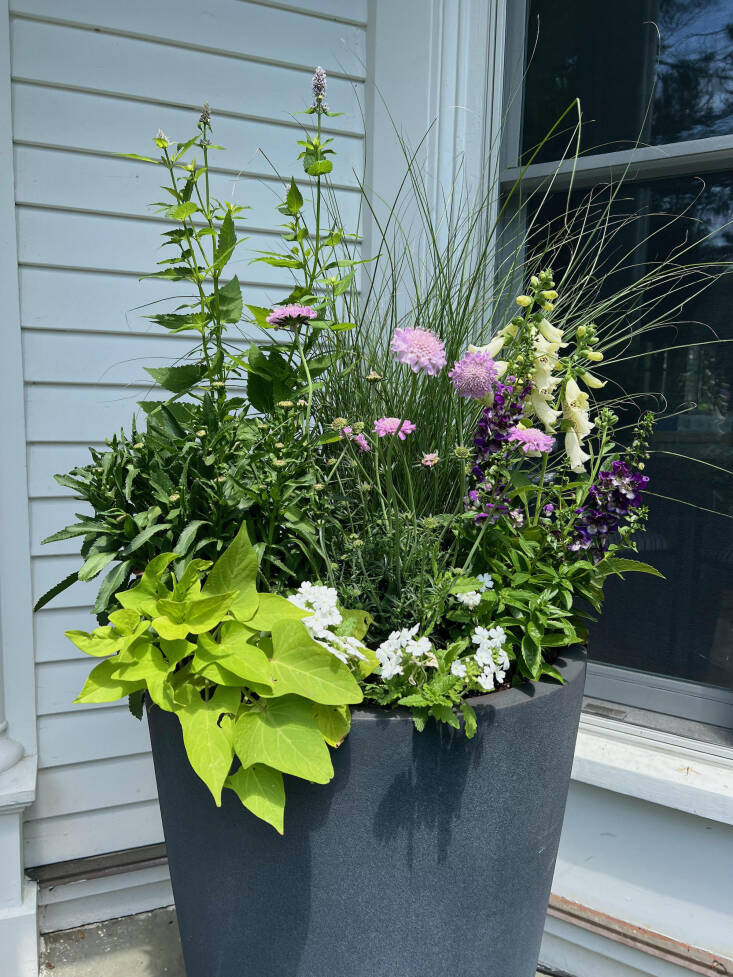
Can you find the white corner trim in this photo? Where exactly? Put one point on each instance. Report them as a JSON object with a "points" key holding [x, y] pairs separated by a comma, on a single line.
{"points": [[661, 768], [18, 785]]}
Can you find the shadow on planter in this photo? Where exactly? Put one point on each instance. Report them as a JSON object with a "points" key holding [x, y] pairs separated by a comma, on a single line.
{"points": [[428, 854]]}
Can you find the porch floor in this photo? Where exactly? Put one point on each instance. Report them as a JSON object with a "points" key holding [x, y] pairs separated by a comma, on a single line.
{"points": [[146, 945]]}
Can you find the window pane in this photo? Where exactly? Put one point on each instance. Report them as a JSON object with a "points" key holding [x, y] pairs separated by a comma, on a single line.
{"points": [[681, 627], [606, 53]]}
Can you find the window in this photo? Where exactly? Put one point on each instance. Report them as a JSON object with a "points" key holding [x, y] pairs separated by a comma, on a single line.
{"points": [[679, 632]]}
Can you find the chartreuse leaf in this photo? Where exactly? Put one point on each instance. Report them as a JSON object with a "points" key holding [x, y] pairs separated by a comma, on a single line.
{"points": [[100, 643], [273, 608], [144, 595], [282, 733], [334, 722], [303, 666], [103, 686], [207, 734], [236, 572], [261, 790], [235, 653], [125, 621], [193, 616]]}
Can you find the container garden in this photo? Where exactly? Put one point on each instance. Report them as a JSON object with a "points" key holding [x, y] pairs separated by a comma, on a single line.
{"points": [[427, 854]]}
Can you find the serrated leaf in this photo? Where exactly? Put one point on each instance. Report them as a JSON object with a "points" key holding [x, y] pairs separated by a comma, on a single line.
{"points": [[469, 719], [136, 702], [319, 168], [261, 791], [116, 578], [301, 665], [617, 564], [230, 301], [95, 564], [226, 243], [178, 379], [182, 211], [283, 734], [294, 199], [57, 589]]}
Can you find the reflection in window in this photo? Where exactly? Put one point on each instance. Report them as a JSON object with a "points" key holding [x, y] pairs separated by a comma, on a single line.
{"points": [[606, 54], [681, 627]]}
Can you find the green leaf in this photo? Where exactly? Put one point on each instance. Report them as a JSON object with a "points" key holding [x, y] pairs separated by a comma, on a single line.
{"points": [[531, 656], [182, 211], [176, 322], [95, 564], [206, 736], [294, 199], [178, 379], [143, 537], [319, 168], [59, 588], [301, 665], [552, 672], [226, 243], [617, 564], [334, 722], [116, 578], [135, 703], [236, 572], [230, 301], [260, 315], [102, 686], [283, 734], [261, 791], [445, 714], [469, 719]]}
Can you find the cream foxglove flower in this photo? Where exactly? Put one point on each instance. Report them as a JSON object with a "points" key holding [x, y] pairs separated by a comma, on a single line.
{"points": [[575, 453], [491, 348], [541, 407], [592, 381], [551, 333], [575, 409]]}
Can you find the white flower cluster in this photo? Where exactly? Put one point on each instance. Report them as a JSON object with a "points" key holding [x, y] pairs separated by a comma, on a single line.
{"points": [[490, 656], [322, 603], [472, 598], [401, 647]]}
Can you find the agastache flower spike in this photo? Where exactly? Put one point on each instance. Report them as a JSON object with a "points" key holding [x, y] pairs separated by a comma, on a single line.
{"points": [[319, 89]]}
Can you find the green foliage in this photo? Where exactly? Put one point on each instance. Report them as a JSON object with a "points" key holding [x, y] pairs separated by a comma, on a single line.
{"points": [[255, 695]]}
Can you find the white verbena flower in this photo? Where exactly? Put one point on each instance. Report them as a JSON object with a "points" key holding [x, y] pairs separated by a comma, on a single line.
{"points": [[471, 599], [486, 680], [486, 579], [322, 605], [458, 668]]}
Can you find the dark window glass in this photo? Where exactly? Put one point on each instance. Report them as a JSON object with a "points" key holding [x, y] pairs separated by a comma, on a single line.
{"points": [[606, 54], [681, 627]]}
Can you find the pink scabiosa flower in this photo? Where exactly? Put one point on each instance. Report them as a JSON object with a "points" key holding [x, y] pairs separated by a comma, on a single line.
{"points": [[358, 439], [531, 440], [430, 460], [474, 375], [291, 316], [419, 349], [393, 425]]}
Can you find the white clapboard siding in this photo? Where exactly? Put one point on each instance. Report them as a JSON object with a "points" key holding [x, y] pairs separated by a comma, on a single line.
{"points": [[93, 79]]}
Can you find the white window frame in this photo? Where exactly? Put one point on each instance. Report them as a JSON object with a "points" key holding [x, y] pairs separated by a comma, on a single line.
{"points": [[662, 694]]}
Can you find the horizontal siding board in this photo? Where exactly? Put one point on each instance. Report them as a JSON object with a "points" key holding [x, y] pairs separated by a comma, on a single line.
{"points": [[47, 571], [55, 117], [350, 10], [93, 786], [73, 58], [90, 734], [46, 460], [51, 622], [67, 357], [69, 240], [59, 683], [238, 28], [92, 833], [48, 178], [86, 904], [52, 298], [82, 414], [47, 516]]}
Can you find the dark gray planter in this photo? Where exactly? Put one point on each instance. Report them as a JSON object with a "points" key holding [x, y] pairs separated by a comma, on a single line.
{"points": [[428, 855]]}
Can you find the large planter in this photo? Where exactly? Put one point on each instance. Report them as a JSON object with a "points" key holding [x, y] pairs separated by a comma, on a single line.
{"points": [[428, 855]]}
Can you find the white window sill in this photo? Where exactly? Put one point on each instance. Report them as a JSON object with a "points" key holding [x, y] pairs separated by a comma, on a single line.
{"points": [[654, 766]]}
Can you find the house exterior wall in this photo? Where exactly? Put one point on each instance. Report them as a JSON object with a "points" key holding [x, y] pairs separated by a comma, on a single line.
{"points": [[648, 837]]}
